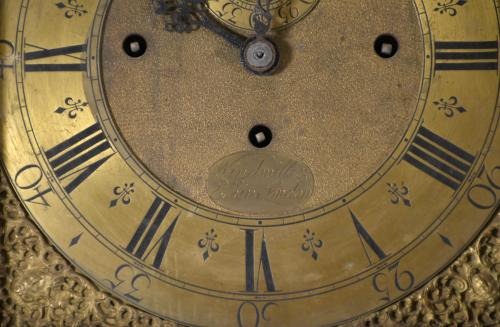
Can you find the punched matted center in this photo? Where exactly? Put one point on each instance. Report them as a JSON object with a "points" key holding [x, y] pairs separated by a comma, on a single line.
{"points": [[333, 104]]}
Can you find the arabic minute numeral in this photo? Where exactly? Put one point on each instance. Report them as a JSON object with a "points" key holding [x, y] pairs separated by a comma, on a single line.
{"points": [[129, 282], [30, 178], [251, 314], [483, 195], [382, 282]]}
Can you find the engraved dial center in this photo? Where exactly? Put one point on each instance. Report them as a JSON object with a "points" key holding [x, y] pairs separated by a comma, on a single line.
{"points": [[322, 111]]}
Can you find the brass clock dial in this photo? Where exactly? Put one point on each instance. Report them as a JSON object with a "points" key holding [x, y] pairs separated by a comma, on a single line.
{"points": [[198, 190]]}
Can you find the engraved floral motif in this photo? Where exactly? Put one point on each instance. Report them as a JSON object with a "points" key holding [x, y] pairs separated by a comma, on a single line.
{"points": [[40, 288], [123, 195], [72, 107], [71, 8], [311, 244], [399, 194], [208, 244], [450, 6], [450, 107]]}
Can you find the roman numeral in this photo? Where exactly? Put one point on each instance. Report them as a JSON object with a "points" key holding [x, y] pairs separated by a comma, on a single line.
{"points": [[145, 239], [264, 262], [367, 241], [68, 158], [67, 52], [479, 55], [438, 158]]}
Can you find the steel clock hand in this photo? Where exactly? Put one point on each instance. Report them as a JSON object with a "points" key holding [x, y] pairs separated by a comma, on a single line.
{"points": [[259, 55], [185, 16], [262, 18]]}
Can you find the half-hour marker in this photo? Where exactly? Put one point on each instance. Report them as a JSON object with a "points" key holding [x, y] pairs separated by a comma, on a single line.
{"points": [[445, 240], [75, 240], [475, 55], [439, 158]]}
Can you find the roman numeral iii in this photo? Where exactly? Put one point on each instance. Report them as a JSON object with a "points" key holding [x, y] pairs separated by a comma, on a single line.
{"points": [[439, 158], [472, 55]]}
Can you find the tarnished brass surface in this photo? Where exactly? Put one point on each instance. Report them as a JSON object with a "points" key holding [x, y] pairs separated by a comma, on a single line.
{"points": [[181, 110], [161, 249], [40, 288]]}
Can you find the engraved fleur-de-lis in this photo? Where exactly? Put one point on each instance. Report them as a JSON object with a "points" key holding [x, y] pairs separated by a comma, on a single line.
{"points": [[123, 194], [399, 194], [450, 6], [208, 244], [311, 244], [72, 107], [72, 8], [450, 106]]}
